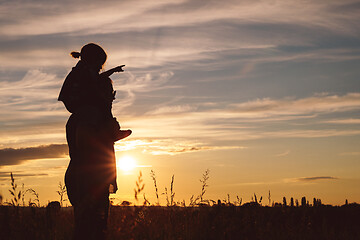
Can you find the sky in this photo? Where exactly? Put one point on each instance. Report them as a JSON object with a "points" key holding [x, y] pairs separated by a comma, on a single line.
{"points": [[264, 94]]}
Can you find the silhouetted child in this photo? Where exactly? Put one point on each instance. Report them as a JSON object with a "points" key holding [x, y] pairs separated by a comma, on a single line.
{"points": [[90, 94]]}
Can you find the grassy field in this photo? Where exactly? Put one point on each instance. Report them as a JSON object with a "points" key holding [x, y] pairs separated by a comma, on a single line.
{"points": [[199, 219], [249, 221]]}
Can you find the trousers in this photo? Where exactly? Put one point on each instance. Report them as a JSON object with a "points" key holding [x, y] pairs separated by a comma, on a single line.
{"points": [[88, 177]]}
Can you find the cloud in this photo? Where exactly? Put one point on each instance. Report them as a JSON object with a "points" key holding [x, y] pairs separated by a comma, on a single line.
{"points": [[252, 183], [167, 32], [262, 118], [34, 99], [144, 83], [283, 154], [34, 96], [141, 15], [256, 119], [268, 109], [171, 109], [132, 84], [350, 154], [168, 146], [205, 49], [309, 133], [177, 149], [34, 86], [29, 109], [287, 108], [12, 156], [323, 103], [68, 19], [6, 175], [290, 180], [311, 179], [344, 121]]}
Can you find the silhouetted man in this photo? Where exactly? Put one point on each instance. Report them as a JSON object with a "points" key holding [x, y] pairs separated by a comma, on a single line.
{"points": [[91, 132]]}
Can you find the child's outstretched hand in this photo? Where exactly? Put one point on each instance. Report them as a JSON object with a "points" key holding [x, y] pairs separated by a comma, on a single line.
{"points": [[108, 73], [119, 68]]}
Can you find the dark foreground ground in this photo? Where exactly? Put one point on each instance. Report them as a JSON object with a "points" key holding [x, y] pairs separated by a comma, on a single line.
{"points": [[216, 222]]}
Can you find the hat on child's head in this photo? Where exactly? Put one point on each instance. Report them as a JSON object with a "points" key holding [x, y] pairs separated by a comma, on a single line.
{"points": [[91, 53]]}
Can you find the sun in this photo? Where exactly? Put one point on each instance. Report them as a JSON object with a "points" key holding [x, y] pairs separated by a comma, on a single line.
{"points": [[126, 163]]}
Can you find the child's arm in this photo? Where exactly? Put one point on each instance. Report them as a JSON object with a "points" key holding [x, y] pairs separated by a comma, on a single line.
{"points": [[108, 73]]}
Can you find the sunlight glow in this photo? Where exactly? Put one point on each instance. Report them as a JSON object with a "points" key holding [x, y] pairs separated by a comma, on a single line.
{"points": [[126, 163]]}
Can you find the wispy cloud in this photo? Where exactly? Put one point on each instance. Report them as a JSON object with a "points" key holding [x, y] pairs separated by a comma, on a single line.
{"points": [[256, 119], [288, 108], [253, 119], [162, 13], [12, 156], [15, 156], [290, 180], [131, 84], [350, 154], [169, 147], [311, 179], [323, 103], [6, 175], [344, 121], [172, 109], [267, 109], [144, 83], [168, 32], [283, 154], [69, 19], [177, 149], [34, 96], [34, 83], [265, 183]]}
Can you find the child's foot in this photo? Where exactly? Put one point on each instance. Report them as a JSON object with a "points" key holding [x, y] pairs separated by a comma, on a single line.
{"points": [[121, 134]]}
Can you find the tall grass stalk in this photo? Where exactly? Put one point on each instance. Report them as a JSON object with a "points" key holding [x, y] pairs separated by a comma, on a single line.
{"points": [[61, 192], [139, 186], [153, 176], [170, 199], [16, 195], [36, 202], [204, 180], [172, 193], [167, 197], [193, 201], [238, 201]]}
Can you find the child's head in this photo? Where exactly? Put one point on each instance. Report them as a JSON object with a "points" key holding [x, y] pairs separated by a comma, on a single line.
{"points": [[92, 54]]}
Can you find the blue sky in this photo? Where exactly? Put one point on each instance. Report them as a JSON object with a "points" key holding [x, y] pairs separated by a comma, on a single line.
{"points": [[263, 93]]}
